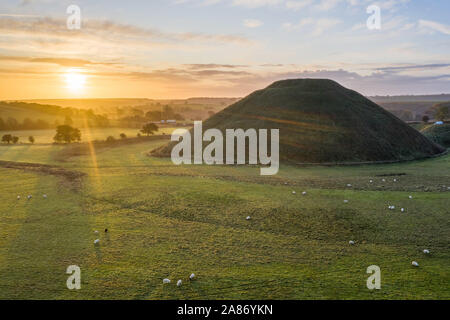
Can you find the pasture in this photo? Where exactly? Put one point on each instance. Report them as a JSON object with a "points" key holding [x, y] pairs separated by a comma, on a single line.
{"points": [[167, 221], [87, 134]]}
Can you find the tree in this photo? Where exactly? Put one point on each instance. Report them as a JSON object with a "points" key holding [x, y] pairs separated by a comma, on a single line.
{"points": [[425, 119], [67, 134], [31, 139], [68, 121], [123, 136], [7, 138], [443, 112], [149, 129], [15, 139], [12, 124]]}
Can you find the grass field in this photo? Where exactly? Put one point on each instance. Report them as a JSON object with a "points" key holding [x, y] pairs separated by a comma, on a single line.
{"points": [[46, 136], [168, 222]]}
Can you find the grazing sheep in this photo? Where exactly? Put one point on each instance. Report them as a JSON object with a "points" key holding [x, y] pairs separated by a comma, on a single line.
{"points": [[402, 209], [349, 185], [95, 232], [426, 251], [371, 181], [410, 197], [29, 197], [165, 281], [384, 180], [415, 263], [179, 283], [18, 197], [192, 276], [304, 193], [248, 218], [44, 196], [293, 192], [351, 242], [97, 241], [345, 201], [395, 180]]}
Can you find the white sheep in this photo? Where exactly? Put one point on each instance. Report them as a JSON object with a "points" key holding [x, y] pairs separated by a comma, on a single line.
{"points": [[44, 196], [97, 241], [426, 251], [96, 232], [395, 180], [179, 283], [349, 185], [29, 197], [384, 180], [351, 242], [371, 181], [248, 218], [415, 263], [18, 197], [165, 281], [410, 197], [402, 209], [304, 193], [293, 192], [192, 276], [345, 201]]}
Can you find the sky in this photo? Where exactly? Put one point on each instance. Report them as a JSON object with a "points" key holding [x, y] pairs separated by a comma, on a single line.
{"points": [[219, 48]]}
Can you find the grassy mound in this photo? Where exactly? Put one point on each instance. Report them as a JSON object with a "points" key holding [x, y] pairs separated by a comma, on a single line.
{"points": [[320, 122], [439, 134]]}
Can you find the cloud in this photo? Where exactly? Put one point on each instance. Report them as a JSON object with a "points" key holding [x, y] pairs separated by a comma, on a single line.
{"points": [[104, 30], [252, 23], [318, 26], [64, 62], [325, 5], [414, 67], [299, 4], [214, 66], [256, 3], [435, 26]]}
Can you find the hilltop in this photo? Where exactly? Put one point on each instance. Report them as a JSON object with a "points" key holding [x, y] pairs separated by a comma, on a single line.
{"points": [[320, 121]]}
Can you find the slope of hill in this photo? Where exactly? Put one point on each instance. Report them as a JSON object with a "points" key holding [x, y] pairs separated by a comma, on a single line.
{"points": [[439, 134], [18, 115], [321, 121]]}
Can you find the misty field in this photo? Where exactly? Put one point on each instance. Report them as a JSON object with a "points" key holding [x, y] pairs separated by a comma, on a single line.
{"points": [[87, 134], [166, 221]]}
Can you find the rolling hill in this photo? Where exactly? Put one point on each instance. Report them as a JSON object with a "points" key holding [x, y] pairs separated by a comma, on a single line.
{"points": [[322, 122]]}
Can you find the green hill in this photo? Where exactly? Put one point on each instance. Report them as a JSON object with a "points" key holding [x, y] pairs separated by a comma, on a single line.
{"points": [[18, 115], [439, 134], [320, 122]]}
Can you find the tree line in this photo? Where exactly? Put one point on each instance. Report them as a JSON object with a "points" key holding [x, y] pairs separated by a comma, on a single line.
{"points": [[68, 134], [27, 124]]}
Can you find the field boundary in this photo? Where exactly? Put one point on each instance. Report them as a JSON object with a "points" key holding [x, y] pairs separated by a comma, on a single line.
{"points": [[43, 168]]}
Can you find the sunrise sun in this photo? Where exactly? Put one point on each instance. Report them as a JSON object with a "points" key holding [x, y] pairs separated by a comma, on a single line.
{"points": [[75, 80]]}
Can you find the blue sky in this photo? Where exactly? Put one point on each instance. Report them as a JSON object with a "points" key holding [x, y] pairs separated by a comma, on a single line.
{"points": [[182, 48]]}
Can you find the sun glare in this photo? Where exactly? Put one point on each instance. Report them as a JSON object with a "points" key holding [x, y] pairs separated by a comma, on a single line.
{"points": [[75, 80]]}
